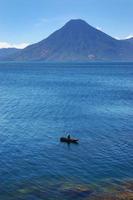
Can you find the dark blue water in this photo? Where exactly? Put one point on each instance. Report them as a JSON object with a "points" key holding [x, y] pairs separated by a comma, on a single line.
{"points": [[40, 102]]}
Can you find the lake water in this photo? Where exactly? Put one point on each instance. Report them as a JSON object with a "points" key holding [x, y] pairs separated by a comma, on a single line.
{"points": [[41, 102]]}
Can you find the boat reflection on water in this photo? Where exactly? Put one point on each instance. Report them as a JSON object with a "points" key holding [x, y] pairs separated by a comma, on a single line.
{"points": [[61, 189]]}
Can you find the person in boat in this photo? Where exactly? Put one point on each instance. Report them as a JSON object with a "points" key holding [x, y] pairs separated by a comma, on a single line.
{"points": [[69, 137]]}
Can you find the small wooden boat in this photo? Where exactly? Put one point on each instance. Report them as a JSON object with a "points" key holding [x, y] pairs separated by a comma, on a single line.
{"points": [[68, 140]]}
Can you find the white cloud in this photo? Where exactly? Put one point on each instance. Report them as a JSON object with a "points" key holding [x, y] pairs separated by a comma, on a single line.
{"points": [[124, 38], [129, 36], [117, 38], [10, 45], [99, 28]]}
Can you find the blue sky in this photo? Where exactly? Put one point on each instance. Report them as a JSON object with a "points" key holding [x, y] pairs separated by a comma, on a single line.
{"points": [[28, 21]]}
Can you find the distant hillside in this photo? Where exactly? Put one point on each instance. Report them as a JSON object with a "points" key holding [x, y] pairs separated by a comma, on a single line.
{"points": [[5, 52], [130, 40], [77, 41]]}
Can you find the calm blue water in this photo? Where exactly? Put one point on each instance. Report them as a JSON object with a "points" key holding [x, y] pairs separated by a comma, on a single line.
{"points": [[40, 102]]}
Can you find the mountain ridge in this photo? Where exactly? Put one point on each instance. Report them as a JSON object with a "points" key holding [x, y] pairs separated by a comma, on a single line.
{"points": [[76, 41], [4, 52]]}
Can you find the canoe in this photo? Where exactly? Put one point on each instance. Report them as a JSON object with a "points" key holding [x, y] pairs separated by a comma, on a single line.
{"points": [[67, 140]]}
